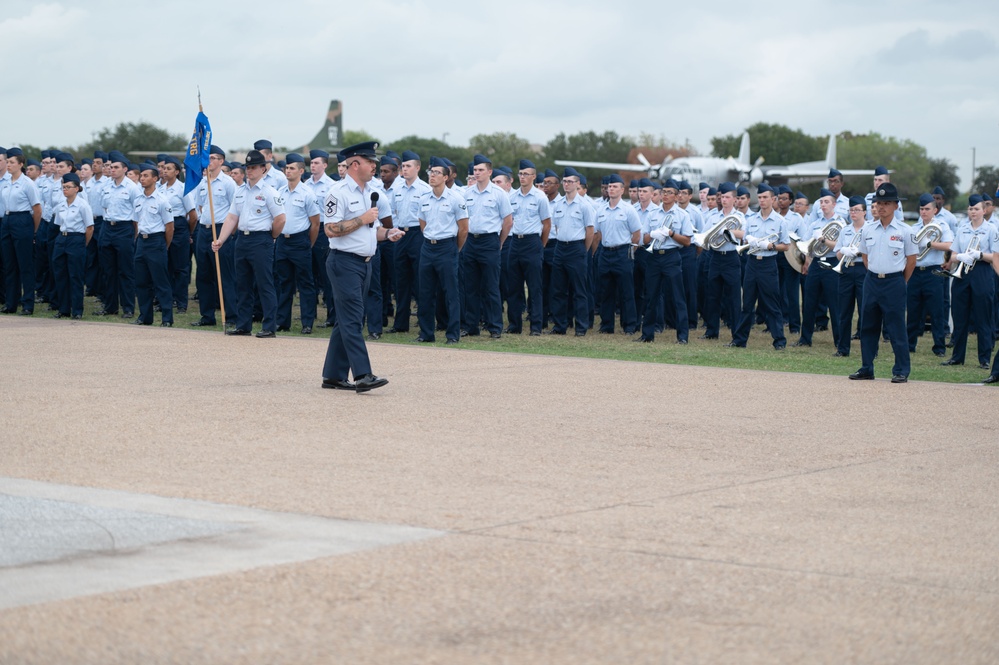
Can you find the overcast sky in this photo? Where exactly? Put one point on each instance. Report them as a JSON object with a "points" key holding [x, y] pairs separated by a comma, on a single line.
{"points": [[917, 70]]}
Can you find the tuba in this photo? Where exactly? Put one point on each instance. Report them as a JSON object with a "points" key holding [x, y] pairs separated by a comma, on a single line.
{"points": [[715, 237], [817, 247], [934, 231]]}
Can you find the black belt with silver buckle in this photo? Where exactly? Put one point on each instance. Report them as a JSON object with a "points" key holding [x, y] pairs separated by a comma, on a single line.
{"points": [[483, 235], [521, 236], [147, 236], [366, 259], [440, 241]]}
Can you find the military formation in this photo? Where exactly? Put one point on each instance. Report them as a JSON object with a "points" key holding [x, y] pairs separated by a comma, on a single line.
{"points": [[523, 252]]}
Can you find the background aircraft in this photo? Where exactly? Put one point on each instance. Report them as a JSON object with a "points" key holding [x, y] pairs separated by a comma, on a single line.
{"points": [[714, 170]]}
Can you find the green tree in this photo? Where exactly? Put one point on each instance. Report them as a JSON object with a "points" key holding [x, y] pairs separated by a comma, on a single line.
{"points": [[429, 147], [944, 174], [986, 180], [504, 149], [907, 160], [129, 136], [778, 144], [355, 136], [587, 147]]}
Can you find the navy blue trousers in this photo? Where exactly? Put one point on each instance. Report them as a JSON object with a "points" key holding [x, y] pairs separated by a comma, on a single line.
{"points": [[822, 285], [883, 306], [69, 265], [688, 260], [152, 277], [547, 287], [439, 274], [570, 274], [971, 297], [664, 274], [48, 287], [408, 250], [117, 253], [293, 268], [320, 252], [373, 301], [40, 251], [94, 278], [349, 276], [762, 284], [179, 262], [254, 257], [205, 279], [724, 278], [616, 275], [851, 294], [790, 286], [526, 259], [925, 294], [480, 259], [17, 234], [386, 249]]}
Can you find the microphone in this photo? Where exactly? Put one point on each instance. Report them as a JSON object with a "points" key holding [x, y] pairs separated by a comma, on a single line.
{"points": [[374, 199]]}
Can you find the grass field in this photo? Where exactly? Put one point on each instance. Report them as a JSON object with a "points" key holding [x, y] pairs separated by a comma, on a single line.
{"points": [[758, 355]]}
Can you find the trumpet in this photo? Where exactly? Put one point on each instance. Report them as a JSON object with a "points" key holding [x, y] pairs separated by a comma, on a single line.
{"points": [[934, 231], [714, 238], [749, 249], [655, 244], [848, 261], [960, 269], [817, 247]]}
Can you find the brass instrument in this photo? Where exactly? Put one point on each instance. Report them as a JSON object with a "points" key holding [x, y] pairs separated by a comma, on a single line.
{"points": [[714, 238], [793, 255], [961, 268], [655, 244], [773, 237], [817, 247], [935, 231], [848, 261]]}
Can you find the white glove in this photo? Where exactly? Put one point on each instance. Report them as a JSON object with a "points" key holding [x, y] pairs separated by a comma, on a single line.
{"points": [[965, 258], [659, 234], [974, 253], [849, 252], [816, 234], [924, 243], [750, 240], [761, 244]]}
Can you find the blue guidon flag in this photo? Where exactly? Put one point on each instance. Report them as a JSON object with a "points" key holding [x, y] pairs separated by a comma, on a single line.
{"points": [[196, 159]]}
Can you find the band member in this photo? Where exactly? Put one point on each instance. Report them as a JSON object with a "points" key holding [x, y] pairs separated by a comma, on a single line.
{"points": [[724, 271], [790, 279], [75, 221], [406, 197], [18, 228], [528, 237], [820, 284], [293, 249], [153, 235], [617, 231], [688, 254], [852, 273], [972, 296], [925, 290], [890, 256], [572, 222]]}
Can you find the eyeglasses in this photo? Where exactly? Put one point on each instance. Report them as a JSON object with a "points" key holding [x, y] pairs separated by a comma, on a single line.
{"points": [[524, 173], [431, 172]]}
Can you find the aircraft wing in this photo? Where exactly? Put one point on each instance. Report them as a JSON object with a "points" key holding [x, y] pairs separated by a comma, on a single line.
{"points": [[605, 165], [821, 173]]}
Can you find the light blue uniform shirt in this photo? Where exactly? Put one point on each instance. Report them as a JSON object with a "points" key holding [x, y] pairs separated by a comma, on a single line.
{"points": [[321, 188], [677, 219], [348, 200], [650, 218], [842, 210], [407, 202], [934, 257], [441, 214], [119, 200], [696, 218], [256, 206], [948, 217], [95, 194], [617, 224], [986, 233], [4, 185], [152, 213], [74, 217], [223, 193], [817, 225], [487, 208], [887, 247], [299, 206], [846, 236], [174, 195], [22, 195], [795, 224], [570, 219], [529, 210], [761, 227], [275, 178], [46, 188]]}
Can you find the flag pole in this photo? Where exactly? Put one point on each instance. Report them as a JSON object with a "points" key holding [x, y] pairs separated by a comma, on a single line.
{"points": [[211, 207]]}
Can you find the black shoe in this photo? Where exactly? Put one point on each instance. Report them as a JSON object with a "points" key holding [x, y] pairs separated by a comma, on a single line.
{"points": [[939, 354], [535, 333], [180, 310], [203, 323], [166, 324], [861, 375], [681, 341], [423, 340], [325, 324], [338, 384], [984, 366], [368, 382], [707, 336], [26, 312], [733, 345], [898, 378], [238, 332], [140, 322], [266, 334], [821, 328], [127, 315], [605, 332], [840, 354], [97, 312], [464, 333], [992, 378], [630, 332], [951, 361], [395, 330], [578, 333], [77, 317], [950, 344], [451, 341], [513, 331], [5, 310], [58, 315], [780, 347], [800, 343], [374, 337], [306, 330], [494, 335], [643, 339], [283, 328]]}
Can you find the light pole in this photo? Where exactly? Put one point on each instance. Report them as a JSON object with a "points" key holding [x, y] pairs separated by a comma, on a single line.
{"points": [[972, 186]]}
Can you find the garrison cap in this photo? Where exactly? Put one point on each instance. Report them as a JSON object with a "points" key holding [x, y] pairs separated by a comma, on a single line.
{"points": [[986, 197], [742, 191], [294, 158], [227, 164], [85, 160], [926, 199], [33, 162], [825, 192], [938, 190], [459, 182], [101, 155], [974, 200], [234, 166], [437, 162], [71, 177], [263, 144], [13, 152], [671, 184], [394, 155], [319, 154], [764, 187], [255, 158], [605, 180], [161, 157], [784, 189], [46, 154], [281, 163], [615, 178], [215, 150], [481, 159], [170, 159], [65, 157], [800, 195], [703, 185], [551, 174], [471, 168], [582, 179], [726, 187], [527, 164], [569, 172], [685, 186], [858, 201], [712, 191], [505, 170], [642, 182], [656, 185], [149, 166], [366, 150], [833, 173], [634, 184], [449, 163], [117, 156], [880, 170], [409, 156], [886, 192], [389, 160]]}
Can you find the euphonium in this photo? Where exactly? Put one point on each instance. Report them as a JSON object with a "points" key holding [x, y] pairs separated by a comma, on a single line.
{"points": [[817, 247], [935, 231], [714, 237]]}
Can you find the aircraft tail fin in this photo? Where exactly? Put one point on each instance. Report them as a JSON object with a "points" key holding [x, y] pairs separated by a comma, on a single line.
{"points": [[330, 137], [831, 152], [744, 149]]}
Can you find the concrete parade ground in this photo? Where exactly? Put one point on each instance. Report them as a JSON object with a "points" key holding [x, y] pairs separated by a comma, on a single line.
{"points": [[172, 496]]}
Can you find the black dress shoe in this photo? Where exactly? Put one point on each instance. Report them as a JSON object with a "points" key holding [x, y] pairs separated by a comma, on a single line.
{"points": [[265, 334], [733, 345], [166, 324], [706, 336], [338, 384], [464, 333], [140, 322], [77, 317], [800, 343], [423, 340], [395, 330], [283, 328], [26, 312], [306, 330], [630, 332], [605, 332], [374, 337], [855, 336], [325, 324], [840, 354], [451, 341], [984, 366], [203, 323], [643, 339], [181, 310], [821, 328], [578, 333], [127, 315], [5, 310], [861, 375], [680, 341], [368, 382], [58, 315], [992, 378], [939, 354], [951, 361], [513, 331], [898, 378], [780, 347], [238, 332], [494, 335]]}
